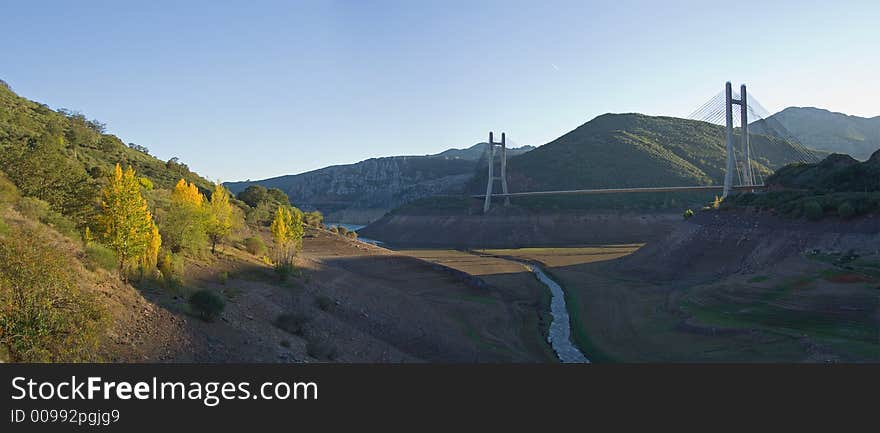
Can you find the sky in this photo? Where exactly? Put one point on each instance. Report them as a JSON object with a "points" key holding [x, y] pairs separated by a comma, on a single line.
{"points": [[255, 89]]}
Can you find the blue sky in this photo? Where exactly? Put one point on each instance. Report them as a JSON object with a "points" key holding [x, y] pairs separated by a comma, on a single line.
{"points": [[257, 89]]}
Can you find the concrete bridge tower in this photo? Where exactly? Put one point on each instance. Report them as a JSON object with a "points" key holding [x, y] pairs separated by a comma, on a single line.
{"points": [[492, 178], [747, 178]]}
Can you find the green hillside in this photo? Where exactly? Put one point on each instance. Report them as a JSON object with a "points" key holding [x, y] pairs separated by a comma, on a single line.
{"points": [[838, 186], [633, 150], [62, 157]]}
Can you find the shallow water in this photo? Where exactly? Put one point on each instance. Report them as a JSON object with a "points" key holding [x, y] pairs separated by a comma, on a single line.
{"points": [[354, 227], [560, 327]]}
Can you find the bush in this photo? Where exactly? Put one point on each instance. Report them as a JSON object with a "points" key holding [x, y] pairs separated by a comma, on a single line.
{"points": [[294, 323], [342, 230], [100, 256], [207, 304], [846, 210], [325, 303], [352, 235], [320, 349], [285, 271], [255, 246], [314, 218], [171, 266], [46, 316], [688, 213], [813, 210]]}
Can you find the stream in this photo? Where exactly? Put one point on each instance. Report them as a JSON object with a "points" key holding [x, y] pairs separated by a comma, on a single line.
{"points": [[560, 327], [559, 335]]}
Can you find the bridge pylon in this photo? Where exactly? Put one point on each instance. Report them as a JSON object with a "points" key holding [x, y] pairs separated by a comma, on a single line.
{"points": [[492, 178], [747, 177]]}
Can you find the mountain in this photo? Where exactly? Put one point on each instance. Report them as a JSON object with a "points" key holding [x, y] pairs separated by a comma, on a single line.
{"points": [[365, 190], [836, 173], [828, 131], [635, 150]]}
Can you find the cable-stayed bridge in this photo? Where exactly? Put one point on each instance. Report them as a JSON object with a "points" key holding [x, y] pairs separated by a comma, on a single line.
{"points": [[738, 174]]}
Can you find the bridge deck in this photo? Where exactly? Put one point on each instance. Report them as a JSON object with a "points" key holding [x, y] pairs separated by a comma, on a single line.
{"points": [[625, 190]]}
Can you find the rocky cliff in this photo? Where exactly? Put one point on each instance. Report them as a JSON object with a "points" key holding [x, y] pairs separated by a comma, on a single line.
{"points": [[362, 192]]}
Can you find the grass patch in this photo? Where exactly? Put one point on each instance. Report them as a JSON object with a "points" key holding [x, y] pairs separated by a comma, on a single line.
{"points": [[846, 277], [478, 339], [776, 319], [99, 256]]}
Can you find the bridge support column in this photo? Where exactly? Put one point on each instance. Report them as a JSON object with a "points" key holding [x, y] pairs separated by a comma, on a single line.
{"points": [[504, 168], [491, 180], [487, 203], [728, 108], [749, 179]]}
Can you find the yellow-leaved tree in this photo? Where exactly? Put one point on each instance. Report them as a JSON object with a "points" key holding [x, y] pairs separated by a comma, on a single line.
{"points": [[221, 216], [287, 231], [183, 227], [126, 222]]}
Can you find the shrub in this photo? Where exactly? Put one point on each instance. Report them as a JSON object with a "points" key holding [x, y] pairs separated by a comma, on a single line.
{"points": [[46, 316], [294, 323], [813, 210], [319, 348], [100, 256], [314, 218], [846, 210], [334, 230], [285, 270], [352, 235], [325, 303], [207, 304], [342, 230], [255, 246], [688, 213], [171, 266]]}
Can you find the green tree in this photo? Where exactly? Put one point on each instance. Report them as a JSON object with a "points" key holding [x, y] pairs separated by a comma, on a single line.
{"points": [[41, 169], [278, 196], [253, 195]]}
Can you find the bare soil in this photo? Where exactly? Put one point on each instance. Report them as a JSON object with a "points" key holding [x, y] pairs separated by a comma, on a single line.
{"points": [[361, 303]]}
